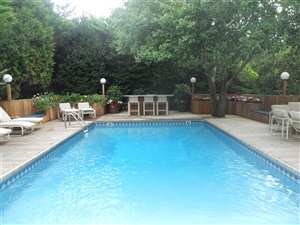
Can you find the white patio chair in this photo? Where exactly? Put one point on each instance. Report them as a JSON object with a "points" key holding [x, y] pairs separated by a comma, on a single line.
{"points": [[148, 105], [294, 106], [133, 101], [273, 107], [5, 134], [86, 109], [293, 122], [278, 119], [162, 101], [65, 110]]}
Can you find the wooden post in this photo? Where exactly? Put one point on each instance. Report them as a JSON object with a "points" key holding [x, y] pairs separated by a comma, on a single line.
{"points": [[193, 90], [103, 90], [283, 88], [9, 98]]}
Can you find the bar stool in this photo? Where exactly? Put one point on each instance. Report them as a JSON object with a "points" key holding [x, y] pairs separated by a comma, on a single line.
{"points": [[162, 101], [133, 100], [149, 105]]}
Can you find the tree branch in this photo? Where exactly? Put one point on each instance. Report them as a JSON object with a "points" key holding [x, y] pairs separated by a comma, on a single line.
{"points": [[245, 62]]}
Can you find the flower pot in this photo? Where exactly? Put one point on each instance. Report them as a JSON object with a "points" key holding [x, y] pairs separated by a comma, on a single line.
{"points": [[113, 108], [183, 107]]}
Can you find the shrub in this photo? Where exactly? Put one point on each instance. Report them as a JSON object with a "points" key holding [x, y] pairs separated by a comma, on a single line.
{"points": [[182, 93], [114, 94]]}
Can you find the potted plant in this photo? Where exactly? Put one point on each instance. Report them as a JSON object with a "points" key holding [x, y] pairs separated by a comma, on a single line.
{"points": [[114, 98], [182, 95], [41, 102]]}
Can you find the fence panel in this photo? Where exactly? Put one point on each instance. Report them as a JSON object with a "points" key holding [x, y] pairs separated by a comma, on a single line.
{"points": [[244, 109], [21, 107]]}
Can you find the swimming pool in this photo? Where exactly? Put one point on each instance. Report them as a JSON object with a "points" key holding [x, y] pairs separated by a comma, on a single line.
{"points": [[152, 173]]}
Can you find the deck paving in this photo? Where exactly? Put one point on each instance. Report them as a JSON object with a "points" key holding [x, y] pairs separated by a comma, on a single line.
{"points": [[21, 150]]}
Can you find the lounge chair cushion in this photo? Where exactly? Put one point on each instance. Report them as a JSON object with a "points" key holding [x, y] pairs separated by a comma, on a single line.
{"points": [[279, 113]]}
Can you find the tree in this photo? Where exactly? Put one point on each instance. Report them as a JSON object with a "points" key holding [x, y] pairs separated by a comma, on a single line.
{"points": [[81, 52], [27, 47], [220, 37]]}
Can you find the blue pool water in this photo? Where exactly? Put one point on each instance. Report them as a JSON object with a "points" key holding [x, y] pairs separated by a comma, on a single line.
{"points": [[170, 173]]}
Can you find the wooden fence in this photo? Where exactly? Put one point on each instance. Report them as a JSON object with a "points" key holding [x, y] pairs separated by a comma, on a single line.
{"points": [[244, 109], [24, 107]]}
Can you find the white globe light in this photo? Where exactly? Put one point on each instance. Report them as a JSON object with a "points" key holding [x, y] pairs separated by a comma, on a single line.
{"points": [[102, 80], [7, 78], [193, 80], [285, 76]]}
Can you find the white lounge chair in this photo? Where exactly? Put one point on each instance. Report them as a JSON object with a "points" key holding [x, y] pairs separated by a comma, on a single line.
{"points": [[86, 109], [294, 122], [22, 125], [65, 110], [4, 134], [4, 117]]}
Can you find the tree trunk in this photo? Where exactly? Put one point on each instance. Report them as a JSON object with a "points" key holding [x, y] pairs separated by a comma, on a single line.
{"points": [[212, 93], [218, 103]]}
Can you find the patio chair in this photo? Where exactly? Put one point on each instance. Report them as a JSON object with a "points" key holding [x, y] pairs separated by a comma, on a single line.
{"points": [[294, 122], [65, 110], [4, 117], [279, 118], [294, 106], [133, 101], [162, 101], [148, 105], [19, 124], [86, 109], [5, 134], [271, 114]]}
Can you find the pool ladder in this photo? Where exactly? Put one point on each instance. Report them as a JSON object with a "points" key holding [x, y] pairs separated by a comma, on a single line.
{"points": [[78, 118]]}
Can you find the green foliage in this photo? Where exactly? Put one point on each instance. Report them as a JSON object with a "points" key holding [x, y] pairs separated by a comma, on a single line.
{"points": [[82, 50], [73, 98], [182, 93], [94, 98], [42, 102], [26, 45], [114, 94], [218, 36]]}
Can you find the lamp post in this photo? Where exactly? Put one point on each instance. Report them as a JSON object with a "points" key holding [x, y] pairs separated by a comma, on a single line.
{"points": [[103, 81], [284, 76], [193, 81], [7, 78]]}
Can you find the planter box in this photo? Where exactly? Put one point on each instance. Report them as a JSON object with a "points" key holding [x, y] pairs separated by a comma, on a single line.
{"points": [[100, 109], [51, 114], [201, 107]]}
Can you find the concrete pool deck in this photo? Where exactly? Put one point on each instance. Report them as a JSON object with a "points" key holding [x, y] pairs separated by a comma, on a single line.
{"points": [[20, 150]]}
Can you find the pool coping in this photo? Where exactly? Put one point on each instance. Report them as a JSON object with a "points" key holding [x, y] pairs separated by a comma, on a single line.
{"points": [[29, 164]]}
